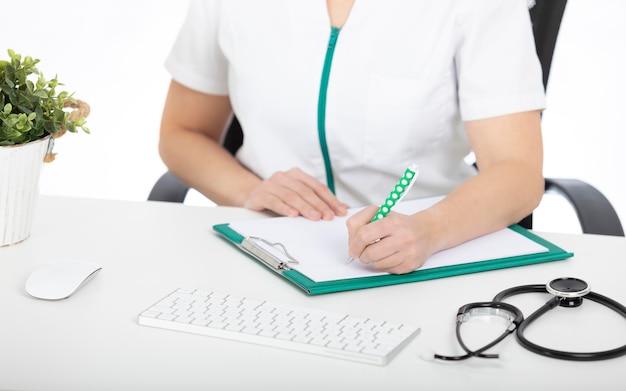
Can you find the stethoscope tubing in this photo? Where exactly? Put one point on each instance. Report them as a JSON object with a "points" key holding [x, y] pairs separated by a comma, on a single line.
{"points": [[552, 303]]}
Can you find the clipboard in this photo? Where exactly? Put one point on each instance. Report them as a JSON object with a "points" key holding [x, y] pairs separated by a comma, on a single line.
{"points": [[312, 254]]}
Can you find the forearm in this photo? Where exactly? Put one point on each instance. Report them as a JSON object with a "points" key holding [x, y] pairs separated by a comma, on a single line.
{"points": [[206, 166], [494, 199]]}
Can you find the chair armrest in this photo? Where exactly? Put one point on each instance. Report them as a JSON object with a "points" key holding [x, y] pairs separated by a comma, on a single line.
{"points": [[169, 189], [595, 212]]}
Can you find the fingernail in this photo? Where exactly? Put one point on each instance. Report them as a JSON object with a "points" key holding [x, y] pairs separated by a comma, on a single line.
{"points": [[314, 215]]}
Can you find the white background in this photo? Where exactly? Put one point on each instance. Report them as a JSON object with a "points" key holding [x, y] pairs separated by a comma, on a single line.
{"points": [[111, 54]]}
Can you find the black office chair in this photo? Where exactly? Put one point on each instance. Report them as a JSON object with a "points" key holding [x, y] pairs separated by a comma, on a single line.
{"points": [[595, 213]]}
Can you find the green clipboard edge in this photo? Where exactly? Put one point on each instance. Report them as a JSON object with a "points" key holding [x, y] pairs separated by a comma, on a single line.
{"points": [[554, 253]]}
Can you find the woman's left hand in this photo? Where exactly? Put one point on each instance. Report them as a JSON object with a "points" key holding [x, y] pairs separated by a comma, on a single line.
{"points": [[395, 244]]}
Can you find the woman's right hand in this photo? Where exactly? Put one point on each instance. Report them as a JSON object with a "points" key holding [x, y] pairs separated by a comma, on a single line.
{"points": [[293, 193], [192, 127]]}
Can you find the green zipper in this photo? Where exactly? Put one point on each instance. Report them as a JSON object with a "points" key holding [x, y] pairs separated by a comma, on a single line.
{"points": [[321, 107]]}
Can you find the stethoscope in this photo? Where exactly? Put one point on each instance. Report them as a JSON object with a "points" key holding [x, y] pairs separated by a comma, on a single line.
{"points": [[566, 292]]}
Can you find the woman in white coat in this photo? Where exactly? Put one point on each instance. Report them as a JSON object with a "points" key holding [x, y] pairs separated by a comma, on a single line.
{"points": [[337, 98]]}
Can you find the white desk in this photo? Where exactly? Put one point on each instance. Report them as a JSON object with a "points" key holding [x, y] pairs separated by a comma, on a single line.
{"points": [[92, 341]]}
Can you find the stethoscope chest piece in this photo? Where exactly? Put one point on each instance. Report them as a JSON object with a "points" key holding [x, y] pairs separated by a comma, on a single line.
{"points": [[570, 290]]}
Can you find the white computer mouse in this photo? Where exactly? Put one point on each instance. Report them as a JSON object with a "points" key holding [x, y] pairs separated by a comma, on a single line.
{"points": [[59, 279]]}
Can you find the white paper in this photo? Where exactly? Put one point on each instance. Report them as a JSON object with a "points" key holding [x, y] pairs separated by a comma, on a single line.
{"points": [[321, 247]]}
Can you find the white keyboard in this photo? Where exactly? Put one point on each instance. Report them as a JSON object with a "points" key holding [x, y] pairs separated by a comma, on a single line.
{"points": [[278, 325]]}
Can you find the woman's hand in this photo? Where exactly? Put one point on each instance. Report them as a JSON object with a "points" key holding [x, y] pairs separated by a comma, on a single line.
{"points": [[395, 244], [508, 186], [293, 193]]}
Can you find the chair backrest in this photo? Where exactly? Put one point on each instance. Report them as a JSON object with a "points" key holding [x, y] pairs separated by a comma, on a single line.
{"points": [[234, 136], [546, 18]]}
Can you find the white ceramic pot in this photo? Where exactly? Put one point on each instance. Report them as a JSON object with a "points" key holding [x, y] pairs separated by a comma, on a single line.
{"points": [[20, 169]]}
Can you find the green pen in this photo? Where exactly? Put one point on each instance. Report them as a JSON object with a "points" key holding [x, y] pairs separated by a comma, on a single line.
{"points": [[399, 191]]}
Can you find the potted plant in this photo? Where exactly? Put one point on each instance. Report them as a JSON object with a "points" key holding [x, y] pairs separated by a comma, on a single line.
{"points": [[32, 114]]}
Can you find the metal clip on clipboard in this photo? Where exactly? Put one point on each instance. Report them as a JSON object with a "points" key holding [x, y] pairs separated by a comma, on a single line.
{"points": [[259, 247]]}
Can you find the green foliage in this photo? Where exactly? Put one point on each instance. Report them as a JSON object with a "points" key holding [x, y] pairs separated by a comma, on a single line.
{"points": [[30, 106]]}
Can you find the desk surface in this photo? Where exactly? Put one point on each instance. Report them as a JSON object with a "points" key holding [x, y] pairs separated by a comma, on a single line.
{"points": [[92, 340]]}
